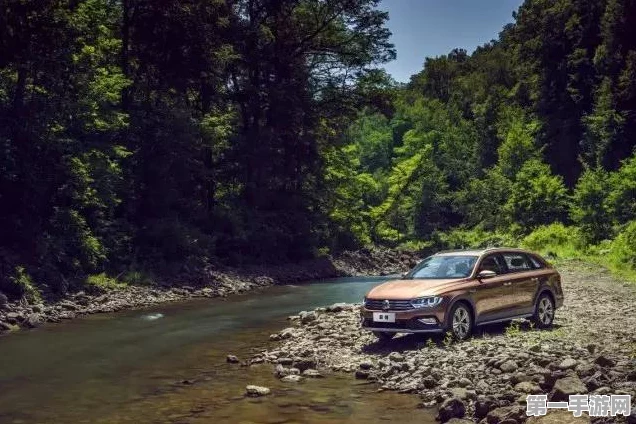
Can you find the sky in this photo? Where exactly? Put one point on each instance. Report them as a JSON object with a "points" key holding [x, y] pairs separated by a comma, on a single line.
{"points": [[427, 28]]}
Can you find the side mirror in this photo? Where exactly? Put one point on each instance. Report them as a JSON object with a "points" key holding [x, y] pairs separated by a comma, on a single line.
{"points": [[486, 273]]}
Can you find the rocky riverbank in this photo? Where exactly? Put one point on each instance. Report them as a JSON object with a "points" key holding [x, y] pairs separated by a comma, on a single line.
{"points": [[210, 282], [591, 349]]}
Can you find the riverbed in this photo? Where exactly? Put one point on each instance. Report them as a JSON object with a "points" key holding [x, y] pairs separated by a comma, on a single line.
{"points": [[166, 364]]}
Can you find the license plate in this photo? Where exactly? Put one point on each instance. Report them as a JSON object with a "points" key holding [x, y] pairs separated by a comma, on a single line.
{"points": [[383, 317]]}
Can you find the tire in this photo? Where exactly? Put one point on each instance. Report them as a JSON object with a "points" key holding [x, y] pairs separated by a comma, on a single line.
{"points": [[382, 336], [461, 322], [544, 312]]}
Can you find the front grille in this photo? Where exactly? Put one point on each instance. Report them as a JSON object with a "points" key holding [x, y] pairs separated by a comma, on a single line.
{"points": [[394, 305]]}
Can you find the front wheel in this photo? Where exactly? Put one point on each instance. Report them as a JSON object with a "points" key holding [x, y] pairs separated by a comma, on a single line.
{"points": [[383, 336], [461, 322], [544, 312]]}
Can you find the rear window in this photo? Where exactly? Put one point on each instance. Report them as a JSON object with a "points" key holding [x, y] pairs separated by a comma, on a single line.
{"points": [[536, 262], [517, 262]]}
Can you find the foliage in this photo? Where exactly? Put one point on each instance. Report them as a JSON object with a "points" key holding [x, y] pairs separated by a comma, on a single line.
{"points": [[537, 198], [555, 241], [160, 136], [622, 251], [103, 281]]}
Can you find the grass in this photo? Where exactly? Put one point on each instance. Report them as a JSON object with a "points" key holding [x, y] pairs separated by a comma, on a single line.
{"points": [[105, 282]]}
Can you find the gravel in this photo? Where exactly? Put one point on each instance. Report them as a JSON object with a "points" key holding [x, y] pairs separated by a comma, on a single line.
{"points": [[590, 349]]}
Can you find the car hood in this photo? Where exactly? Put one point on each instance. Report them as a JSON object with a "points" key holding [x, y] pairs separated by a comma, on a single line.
{"points": [[410, 289]]}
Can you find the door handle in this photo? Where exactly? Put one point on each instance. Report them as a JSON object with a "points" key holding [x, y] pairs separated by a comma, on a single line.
{"points": [[508, 283]]}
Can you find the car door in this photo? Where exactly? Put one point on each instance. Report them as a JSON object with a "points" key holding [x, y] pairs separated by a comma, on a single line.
{"points": [[493, 295], [525, 282]]}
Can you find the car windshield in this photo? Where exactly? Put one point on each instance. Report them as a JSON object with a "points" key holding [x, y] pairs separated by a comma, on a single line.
{"points": [[447, 266]]}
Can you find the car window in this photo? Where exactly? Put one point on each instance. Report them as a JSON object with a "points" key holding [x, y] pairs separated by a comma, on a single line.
{"points": [[536, 263], [446, 266], [517, 262], [492, 263]]}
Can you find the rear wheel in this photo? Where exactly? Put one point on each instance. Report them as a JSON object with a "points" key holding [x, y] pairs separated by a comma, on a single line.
{"points": [[544, 312], [461, 322], [383, 336]]}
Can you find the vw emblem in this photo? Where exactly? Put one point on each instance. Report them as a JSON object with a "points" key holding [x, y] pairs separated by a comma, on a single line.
{"points": [[386, 305]]}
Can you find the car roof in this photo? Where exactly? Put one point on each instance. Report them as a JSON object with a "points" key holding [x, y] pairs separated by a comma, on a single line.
{"points": [[479, 252]]}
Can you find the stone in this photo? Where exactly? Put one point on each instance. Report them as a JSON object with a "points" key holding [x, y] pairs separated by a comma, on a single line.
{"points": [[338, 307], [365, 365], [509, 366], [311, 373], [256, 391], [362, 374], [306, 317], [4, 327], [464, 382], [451, 408], [514, 414], [604, 361], [32, 321], [429, 382], [232, 359], [527, 387], [396, 357], [4, 301], [564, 387], [568, 363], [483, 407], [559, 417], [292, 378], [459, 421]]}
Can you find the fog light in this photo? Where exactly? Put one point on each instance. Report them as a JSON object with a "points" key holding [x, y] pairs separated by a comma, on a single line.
{"points": [[428, 321]]}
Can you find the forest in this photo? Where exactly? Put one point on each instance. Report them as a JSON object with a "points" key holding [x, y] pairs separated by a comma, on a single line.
{"points": [[144, 138]]}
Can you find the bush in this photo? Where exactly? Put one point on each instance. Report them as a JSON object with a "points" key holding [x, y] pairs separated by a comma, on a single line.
{"points": [[104, 282], [23, 285], [476, 238], [622, 251], [622, 196], [555, 240], [538, 197], [588, 209]]}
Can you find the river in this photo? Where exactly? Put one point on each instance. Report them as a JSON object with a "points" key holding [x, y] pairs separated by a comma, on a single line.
{"points": [[166, 364]]}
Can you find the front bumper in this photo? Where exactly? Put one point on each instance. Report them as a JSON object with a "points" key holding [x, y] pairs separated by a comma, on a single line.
{"points": [[407, 321]]}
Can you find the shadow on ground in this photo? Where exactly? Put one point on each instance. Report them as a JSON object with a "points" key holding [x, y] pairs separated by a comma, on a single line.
{"points": [[418, 341]]}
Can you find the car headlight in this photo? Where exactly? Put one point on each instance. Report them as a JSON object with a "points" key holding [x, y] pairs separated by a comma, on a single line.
{"points": [[426, 302]]}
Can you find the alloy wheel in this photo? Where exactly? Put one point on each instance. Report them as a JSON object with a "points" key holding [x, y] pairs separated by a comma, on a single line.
{"points": [[545, 311], [461, 323]]}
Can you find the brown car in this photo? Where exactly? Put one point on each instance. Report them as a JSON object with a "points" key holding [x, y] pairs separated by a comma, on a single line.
{"points": [[458, 290]]}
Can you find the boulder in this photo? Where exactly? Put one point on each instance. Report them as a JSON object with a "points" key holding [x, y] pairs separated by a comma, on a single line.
{"points": [[4, 301], [256, 391], [292, 378], [564, 387], [4, 327], [451, 408], [306, 317], [232, 359], [32, 321]]}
